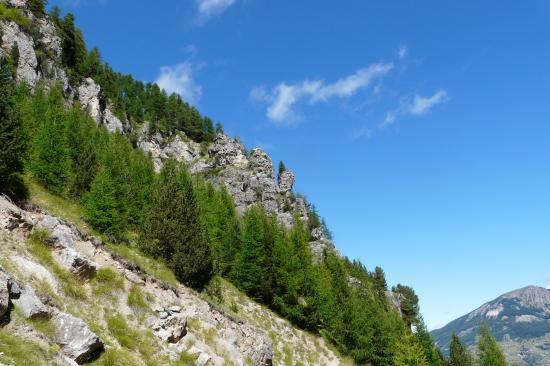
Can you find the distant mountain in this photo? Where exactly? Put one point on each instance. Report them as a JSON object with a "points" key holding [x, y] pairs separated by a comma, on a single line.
{"points": [[520, 321]]}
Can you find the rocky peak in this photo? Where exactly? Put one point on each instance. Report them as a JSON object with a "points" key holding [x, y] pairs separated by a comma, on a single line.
{"points": [[286, 182], [227, 151], [261, 163]]}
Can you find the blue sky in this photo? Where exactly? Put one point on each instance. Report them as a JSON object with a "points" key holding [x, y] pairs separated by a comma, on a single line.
{"points": [[419, 129]]}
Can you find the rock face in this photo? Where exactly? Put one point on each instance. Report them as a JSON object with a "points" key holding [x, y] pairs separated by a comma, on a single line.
{"points": [[320, 243], [89, 96], [75, 262], [76, 340], [179, 148], [286, 182], [32, 269], [170, 326], [519, 320], [4, 293], [226, 151], [27, 69], [30, 305]]}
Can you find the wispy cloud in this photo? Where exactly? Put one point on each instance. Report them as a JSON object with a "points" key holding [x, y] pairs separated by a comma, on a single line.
{"points": [[416, 106], [422, 105], [206, 9], [283, 97], [180, 79], [402, 52], [363, 132]]}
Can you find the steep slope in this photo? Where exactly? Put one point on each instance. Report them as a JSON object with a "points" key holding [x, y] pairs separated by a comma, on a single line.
{"points": [[65, 271], [520, 321], [87, 140]]}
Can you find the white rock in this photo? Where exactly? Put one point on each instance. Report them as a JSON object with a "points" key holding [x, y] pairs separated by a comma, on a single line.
{"points": [[88, 95], [76, 340], [31, 269], [203, 359], [75, 262], [49, 222], [30, 305]]}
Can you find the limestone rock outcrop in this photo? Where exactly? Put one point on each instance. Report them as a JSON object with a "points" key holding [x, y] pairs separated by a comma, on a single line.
{"points": [[30, 305], [76, 340], [90, 97]]}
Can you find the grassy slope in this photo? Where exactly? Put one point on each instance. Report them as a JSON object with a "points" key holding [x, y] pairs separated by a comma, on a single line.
{"points": [[293, 348]]}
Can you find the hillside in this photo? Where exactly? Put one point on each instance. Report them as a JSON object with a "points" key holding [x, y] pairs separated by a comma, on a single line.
{"points": [[135, 231], [520, 321]]}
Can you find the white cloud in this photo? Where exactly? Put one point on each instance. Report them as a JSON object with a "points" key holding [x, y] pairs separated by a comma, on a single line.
{"points": [[422, 105], [416, 106], [283, 97], [402, 52], [180, 79], [208, 8]]}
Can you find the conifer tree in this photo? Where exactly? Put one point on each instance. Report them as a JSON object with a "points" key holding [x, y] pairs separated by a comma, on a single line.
{"points": [[173, 228], [102, 207], [37, 7], [282, 168], [459, 354], [409, 352], [50, 162], [489, 353], [14, 57], [379, 283], [409, 303], [249, 271], [12, 137]]}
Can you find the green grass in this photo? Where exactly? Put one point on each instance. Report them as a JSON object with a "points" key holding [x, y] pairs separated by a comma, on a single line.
{"points": [[119, 328], [151, 266], [116, 357], [186, 359], [44, 326], [136, 300], [106, 281], [73, 212], [57, 206], [15, 350]]}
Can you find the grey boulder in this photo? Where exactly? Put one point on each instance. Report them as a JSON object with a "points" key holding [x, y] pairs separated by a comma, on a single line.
{"points": [[76, 262], [76, 340], [30, 305]]}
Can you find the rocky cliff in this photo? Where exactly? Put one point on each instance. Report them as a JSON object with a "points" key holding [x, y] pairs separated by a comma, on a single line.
{"points": [[67, 298], [248, 176]]}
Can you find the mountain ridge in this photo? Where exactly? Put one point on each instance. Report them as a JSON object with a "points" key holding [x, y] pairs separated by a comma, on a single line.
{"points": [[519, 320]]}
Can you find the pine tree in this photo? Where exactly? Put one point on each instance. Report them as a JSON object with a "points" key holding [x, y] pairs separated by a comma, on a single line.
{"points": [[459, 355], [379, 283], [14, 57], [282, 169], [249, 271], [409, 352], [489, 352], [173, 229], [37, 7], [409, 303], [102, 208], [50, 162], [12, 137]]}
